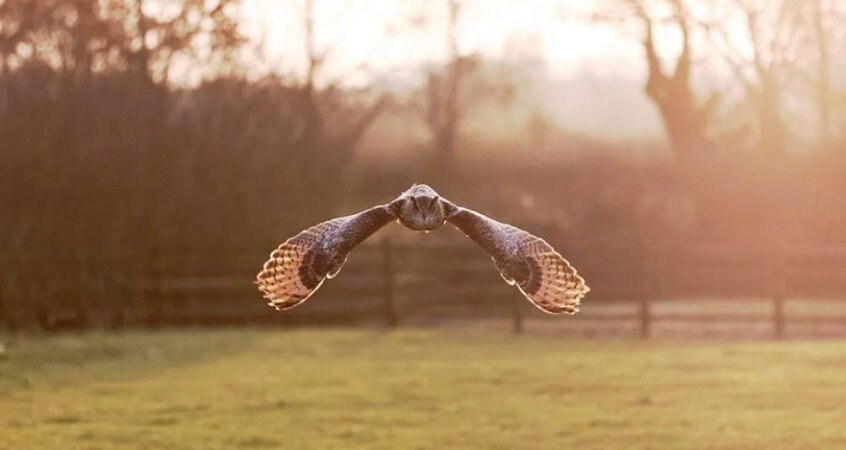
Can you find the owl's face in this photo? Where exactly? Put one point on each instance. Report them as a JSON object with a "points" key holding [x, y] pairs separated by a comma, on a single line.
{"points": [[420, 208]]}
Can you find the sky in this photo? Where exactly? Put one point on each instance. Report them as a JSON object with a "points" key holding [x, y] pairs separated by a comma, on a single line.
{"points": [[592, 72], [588, 77], [363, 37]]}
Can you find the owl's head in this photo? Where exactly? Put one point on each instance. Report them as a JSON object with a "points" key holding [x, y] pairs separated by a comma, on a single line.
{"points": [[421, 208]]}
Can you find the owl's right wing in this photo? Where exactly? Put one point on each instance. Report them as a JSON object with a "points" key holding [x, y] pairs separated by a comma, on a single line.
{"points": [[300, 265], [543, 276]]}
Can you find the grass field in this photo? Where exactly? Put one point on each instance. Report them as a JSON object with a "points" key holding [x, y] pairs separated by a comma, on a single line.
{"points": [[416, 389]]}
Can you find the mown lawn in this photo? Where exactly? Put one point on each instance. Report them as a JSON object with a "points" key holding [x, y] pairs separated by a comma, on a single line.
{"points": [[416, 389]]}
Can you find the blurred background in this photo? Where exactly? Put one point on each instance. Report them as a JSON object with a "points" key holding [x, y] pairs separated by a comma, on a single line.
{"points": [[687, 156]]}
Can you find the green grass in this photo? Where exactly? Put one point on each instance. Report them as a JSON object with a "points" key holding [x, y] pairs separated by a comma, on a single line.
{"points": [[416, 389]]}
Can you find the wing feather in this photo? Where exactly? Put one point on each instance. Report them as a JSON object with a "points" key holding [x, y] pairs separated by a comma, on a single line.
{"points": [[300, 265], [541, 274]]}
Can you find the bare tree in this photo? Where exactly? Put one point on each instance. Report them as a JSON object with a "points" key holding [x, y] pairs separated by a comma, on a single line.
{"points": [[443, 114], [822, 37], [203, 32], [452, 89], [819, 26], [822, 22], [687, 119], [325, 105], [773, 39]]}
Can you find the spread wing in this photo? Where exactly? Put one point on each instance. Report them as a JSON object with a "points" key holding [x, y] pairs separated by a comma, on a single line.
{"points": [[541, 273], [300, 265]]}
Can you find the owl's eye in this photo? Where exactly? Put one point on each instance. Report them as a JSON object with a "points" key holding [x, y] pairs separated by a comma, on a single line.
{"points": [[433, 202], [416, 205]]}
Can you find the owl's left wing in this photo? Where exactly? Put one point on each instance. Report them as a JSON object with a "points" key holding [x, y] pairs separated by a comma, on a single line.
{"points": [[300, 265], [542, 274]]}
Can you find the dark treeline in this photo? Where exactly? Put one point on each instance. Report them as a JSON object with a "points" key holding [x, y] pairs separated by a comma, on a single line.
{"points": [[103, 157]]}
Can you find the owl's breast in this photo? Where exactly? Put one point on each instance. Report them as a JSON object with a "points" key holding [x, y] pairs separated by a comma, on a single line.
{"points": [[420, 222]]}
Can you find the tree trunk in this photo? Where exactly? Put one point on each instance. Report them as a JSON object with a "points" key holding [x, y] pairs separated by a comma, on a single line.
{"points": [[686, 121], [823, 86]]}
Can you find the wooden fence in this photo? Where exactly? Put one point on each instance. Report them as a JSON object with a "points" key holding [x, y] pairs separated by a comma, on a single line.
{"points": [[398, 282]]}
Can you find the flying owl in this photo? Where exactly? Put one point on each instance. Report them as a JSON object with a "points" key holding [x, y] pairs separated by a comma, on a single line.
{"points": [[300, 265]]}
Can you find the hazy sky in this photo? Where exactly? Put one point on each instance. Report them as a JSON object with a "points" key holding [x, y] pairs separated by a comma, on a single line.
{"points": [[594, 72], [591, 77], [377, 33]]}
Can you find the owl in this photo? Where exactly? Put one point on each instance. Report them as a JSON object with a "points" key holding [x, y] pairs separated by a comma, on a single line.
{"points": [[300, 265]]}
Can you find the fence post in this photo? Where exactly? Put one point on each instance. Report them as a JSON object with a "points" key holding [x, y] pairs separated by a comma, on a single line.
{"points": [[644, 314], [6, 323], [111, 290], [153, 301], [779, 293], [516, 314], [389, 275], [645, 307], [778, 316], [83, 289]]}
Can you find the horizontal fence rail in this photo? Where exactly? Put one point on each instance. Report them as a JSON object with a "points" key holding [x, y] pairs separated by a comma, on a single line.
{"points": [[639, 285]]}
